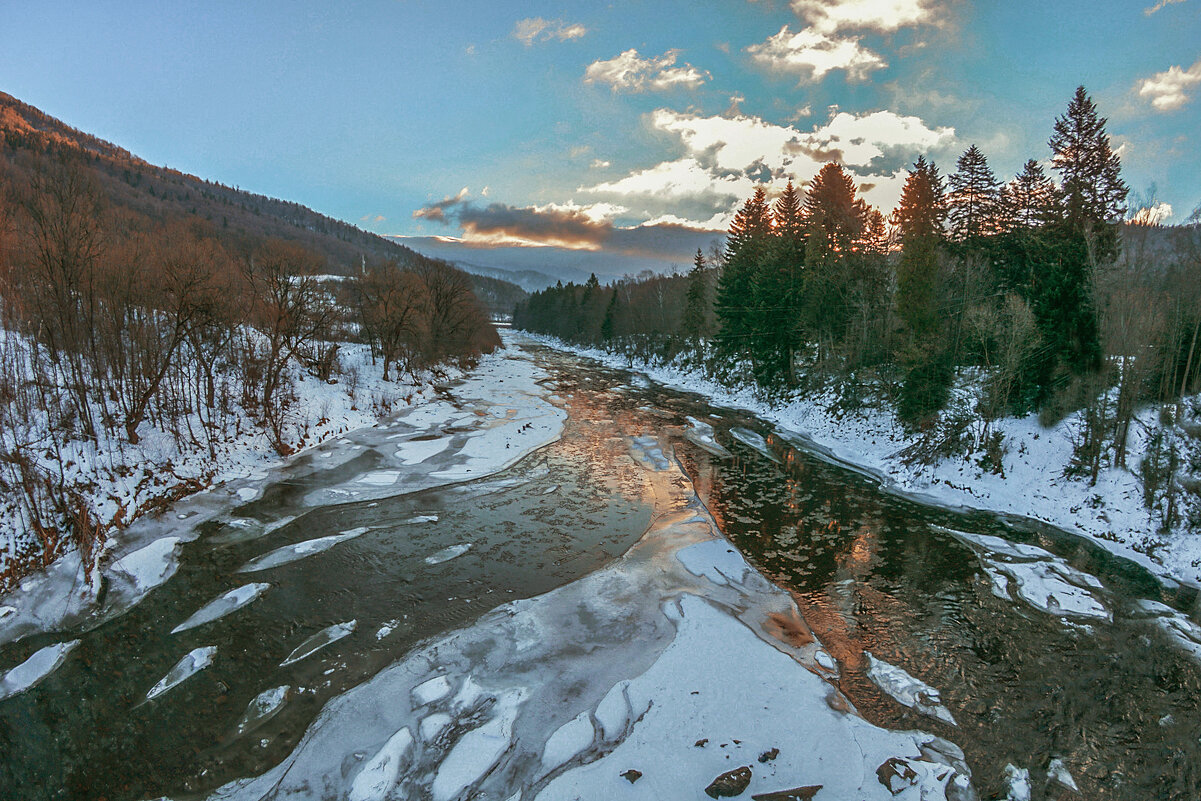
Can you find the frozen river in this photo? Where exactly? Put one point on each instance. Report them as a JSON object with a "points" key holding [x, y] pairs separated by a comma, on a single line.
{"points": [[562, 582]]}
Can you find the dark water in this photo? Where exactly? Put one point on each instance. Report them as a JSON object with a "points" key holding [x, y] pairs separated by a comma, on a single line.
{"points": [[870, 571]]}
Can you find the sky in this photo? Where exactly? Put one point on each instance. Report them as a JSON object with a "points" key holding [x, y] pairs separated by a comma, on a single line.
{"points": [[612, 134]]}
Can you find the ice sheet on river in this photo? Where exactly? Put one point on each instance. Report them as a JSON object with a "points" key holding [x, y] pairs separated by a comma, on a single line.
{"points": [[1037, 577], [701, 434], [754, 441], [37, 667], [327, 636], [192, 663], [554, 697], [299, 550], [908, 690], [231, 601]]}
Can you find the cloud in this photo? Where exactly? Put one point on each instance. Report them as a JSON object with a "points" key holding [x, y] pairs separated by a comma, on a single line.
{"points": [[1154, 214], [810, 54], [1160, 6], [883, 16], [632, 73], [724, 158], [569, 226], [436, 212], [600, 164], [536, 29], [1166, 90]]}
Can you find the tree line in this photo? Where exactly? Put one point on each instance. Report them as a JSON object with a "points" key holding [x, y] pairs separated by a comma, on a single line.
{"points": [[1033, 285], [115, 326]]}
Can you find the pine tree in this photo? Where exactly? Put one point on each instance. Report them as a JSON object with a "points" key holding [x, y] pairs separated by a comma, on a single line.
{"points": [[1094, 195], [1029, 200], [973, 203], [777, 292]]}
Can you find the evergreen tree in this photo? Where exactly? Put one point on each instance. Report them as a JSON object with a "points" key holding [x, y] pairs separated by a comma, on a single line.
{"points": [[746, 243], [835, 217], [777, 292], [1029, 200], [1092, 204], [1094, 195], [697, 299], [920, 217], [973, 203], [610, 320]]}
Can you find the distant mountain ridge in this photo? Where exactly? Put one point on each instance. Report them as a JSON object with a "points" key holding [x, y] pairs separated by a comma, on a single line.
{"points": [[241, 219]]}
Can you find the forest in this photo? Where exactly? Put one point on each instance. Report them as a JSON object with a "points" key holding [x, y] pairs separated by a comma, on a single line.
{"points": [[126, 318], [1037, 294]]}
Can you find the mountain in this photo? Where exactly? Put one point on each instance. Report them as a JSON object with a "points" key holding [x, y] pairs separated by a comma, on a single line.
{"points": [[155, 195]]}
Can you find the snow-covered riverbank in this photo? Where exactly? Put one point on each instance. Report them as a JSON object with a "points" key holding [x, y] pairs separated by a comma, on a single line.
{"points": [[1111, 512], [480, 422]]}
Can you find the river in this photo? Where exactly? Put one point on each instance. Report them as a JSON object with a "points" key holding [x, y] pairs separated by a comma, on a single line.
{"points": [[1043, 647]]}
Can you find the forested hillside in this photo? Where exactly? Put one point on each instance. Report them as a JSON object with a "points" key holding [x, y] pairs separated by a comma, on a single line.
{"points": [[1035, 294], [152, 324]]}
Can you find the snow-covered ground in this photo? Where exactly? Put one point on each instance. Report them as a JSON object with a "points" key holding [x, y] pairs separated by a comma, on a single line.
{"points": [[675, 671], [1034, 485], [478, 423]]}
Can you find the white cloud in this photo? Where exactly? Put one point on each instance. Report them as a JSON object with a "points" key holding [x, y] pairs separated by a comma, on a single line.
{"points": [[1167, 90], [600, 164], [811, 54], [724, 158], [831, 16], [536, 29], [1160, 6], [632, 73]]}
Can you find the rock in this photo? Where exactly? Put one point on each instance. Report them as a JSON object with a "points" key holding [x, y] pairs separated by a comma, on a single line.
{"points": [[700, 743], [632, 775], [730, 784], [768, 756], [795, 794], [896, 774]]}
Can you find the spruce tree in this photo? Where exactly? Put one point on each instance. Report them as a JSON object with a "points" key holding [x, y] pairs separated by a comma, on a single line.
{"points": [[1029, 200], [920, 216], [777, 291], [973, 203], [746, 244], [697, 300], [1093, 192]]}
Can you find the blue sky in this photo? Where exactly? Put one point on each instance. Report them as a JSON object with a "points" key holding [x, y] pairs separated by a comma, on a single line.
{"points": [[621, 127]]}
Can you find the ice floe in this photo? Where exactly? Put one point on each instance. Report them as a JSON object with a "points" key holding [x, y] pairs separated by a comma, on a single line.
{"points": [[327, 636], [907, 690], [754, 442], [263, 707], [231, 601], [192, 663], [37, 667], [1178, 626], [448, 553], [1058, 773], [1037, 577], [478, 750], [701, 434], [299, 550]]}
